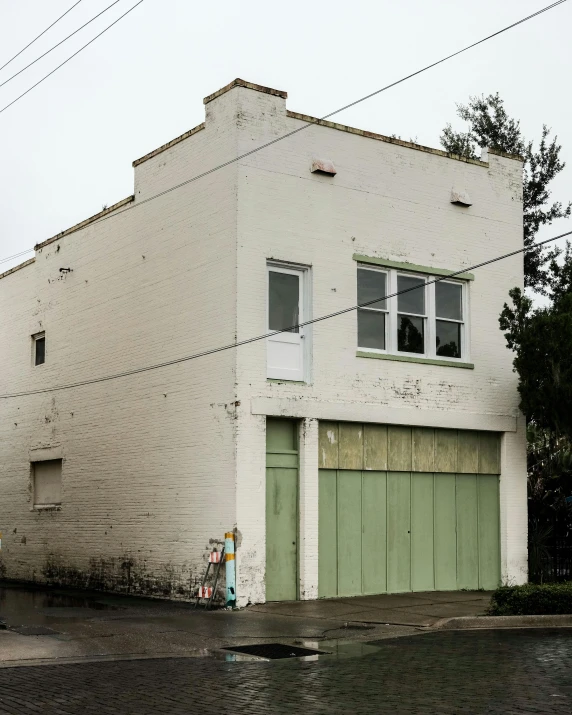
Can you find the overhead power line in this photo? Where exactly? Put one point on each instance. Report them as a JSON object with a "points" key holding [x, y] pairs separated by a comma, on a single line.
{"points": [[306, 124], [59, 43], [16, 255], [231, 346], [75, 54], [40, 35]]}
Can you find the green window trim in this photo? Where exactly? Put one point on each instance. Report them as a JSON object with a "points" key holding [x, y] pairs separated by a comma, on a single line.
{"points": [[413, 267], [424, 360]]}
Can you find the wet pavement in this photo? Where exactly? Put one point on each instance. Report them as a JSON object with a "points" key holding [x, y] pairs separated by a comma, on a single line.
{"points": [[50, 624], [445, 673]]}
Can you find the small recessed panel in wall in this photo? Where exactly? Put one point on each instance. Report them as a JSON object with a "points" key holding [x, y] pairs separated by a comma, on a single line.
{"points": [[323, 166], [460, 197]]}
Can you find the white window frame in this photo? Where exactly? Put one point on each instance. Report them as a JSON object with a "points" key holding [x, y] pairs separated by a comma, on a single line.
{"points": [[430, 317], [35, 338]]}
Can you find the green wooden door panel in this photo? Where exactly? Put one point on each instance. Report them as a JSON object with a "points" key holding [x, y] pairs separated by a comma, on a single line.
{"points": [[445, 450], [327, 534], [489, 532], [399, 448], [274, 459], [328, 439], [349, 533], [423, 459], [398, 528], [468, 452], [281, 435], [351, 446], [489, 453], [467, 531], [281, 534], [422, 567], [375, 447], [374, 532], [445, 546]]}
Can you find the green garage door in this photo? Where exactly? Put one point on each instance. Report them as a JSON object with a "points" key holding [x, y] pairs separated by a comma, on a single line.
{"points": [[407, 509]]}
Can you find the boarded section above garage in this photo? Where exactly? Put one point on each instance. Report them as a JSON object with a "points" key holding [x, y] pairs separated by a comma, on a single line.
{"points": [[351, 445]]}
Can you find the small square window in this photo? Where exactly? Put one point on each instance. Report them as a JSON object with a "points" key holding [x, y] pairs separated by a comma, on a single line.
{"points": [[39, 348], [47, 483]]}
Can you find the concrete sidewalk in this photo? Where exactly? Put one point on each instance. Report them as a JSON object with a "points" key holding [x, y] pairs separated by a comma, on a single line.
{"points": [[55, 625]]}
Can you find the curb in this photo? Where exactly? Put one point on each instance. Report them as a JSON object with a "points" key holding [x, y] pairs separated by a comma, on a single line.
{"points": [[467, 622]]}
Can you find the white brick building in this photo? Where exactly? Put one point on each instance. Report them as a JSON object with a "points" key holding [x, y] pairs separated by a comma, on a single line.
{"points": [[383, 474]]}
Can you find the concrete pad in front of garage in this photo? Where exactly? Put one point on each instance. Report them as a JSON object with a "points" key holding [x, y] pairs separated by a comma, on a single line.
{"points": [[416, 609]]}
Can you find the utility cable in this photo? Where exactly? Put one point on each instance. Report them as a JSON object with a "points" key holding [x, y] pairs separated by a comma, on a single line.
{"points": [[47, 52], [272, 333], [16, 255], [306, 124], [77, 53], [38, 36]]}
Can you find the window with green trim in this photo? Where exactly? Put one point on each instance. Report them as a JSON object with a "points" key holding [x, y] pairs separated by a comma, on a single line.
{"points": [[426, 319]]}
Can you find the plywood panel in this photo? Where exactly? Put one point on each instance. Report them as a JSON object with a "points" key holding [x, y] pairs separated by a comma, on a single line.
{"points": [[327, 535], [445, 540], [398, 532], [399, 448], [374, 536], [423, 449], [468, 452], [489, 453], [422, 567], [445, 450], [349, 533], [489, 532], [375, 447], [328, 439], [351, 446], [467, 532]]}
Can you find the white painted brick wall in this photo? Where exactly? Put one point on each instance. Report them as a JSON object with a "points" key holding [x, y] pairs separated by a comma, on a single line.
{"points": [[149, 460], [392, 202], [150, 479]]}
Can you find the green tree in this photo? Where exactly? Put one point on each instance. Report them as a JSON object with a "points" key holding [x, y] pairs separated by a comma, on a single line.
{"points": [[491, 127]]}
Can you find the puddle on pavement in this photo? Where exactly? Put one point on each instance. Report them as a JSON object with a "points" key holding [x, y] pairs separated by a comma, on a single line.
{"points": [[21, 606], [333, 649]]}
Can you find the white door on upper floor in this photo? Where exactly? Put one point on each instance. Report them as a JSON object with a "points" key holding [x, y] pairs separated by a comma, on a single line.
{"points": [[285, 350]]}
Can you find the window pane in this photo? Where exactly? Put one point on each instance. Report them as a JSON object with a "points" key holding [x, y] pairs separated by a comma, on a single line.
{"points": [[40, 351], [448, 301], [371, 329], [371, 285], [410, 334], [414, 300], [284, 296], [448, 339]]}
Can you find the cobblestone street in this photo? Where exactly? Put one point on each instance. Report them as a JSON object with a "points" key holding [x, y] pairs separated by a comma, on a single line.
{"points": [[510, 671]]}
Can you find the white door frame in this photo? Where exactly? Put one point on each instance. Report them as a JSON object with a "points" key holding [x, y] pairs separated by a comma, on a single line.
{"points": [[298, 339]]}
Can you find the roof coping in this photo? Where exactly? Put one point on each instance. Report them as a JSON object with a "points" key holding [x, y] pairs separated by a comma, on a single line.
{"points": [[87, 221], [248, 85], [168, 145], [17, 268]]}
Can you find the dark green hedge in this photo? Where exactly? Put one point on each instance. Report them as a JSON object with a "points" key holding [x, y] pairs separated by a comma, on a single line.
{"points": [[546, 599]]}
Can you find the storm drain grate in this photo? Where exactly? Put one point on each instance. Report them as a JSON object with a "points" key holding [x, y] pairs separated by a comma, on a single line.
{"points": [[34, 631], [273, 651]]}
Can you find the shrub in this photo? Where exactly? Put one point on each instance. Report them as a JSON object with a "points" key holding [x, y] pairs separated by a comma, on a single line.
{"points": [[545, 599]]}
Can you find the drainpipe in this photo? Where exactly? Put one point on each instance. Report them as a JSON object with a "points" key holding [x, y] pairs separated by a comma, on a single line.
{"points": [[230, 569]]}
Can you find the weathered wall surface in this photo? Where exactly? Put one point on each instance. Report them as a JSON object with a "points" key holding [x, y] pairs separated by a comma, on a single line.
{"points": [[386, 201], [148, 460]]}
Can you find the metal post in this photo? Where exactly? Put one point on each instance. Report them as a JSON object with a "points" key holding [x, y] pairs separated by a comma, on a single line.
{"points": [[230, 569]]}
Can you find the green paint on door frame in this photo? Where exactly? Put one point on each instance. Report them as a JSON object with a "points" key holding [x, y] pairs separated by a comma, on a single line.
{"points": [[282, 580]]}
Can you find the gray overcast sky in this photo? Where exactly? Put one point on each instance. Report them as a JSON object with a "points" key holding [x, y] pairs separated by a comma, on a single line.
{"points": [[67, 147]]}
